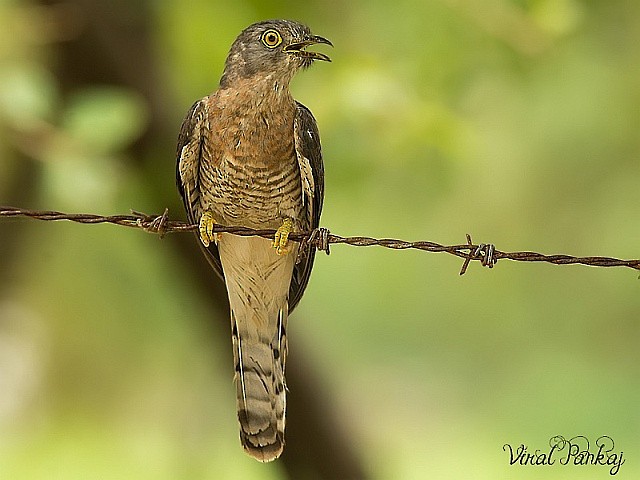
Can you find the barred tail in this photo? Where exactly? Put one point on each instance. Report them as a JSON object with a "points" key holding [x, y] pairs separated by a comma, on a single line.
{"points": [[258, 286], [260, 388]]}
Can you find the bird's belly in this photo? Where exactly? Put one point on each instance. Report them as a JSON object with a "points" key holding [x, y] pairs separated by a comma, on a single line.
{"points": [[255, 194]]}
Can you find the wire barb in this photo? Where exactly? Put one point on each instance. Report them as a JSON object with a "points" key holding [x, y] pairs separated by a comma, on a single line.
{"points": [[321, 238], [150, 224], [485, 253]]}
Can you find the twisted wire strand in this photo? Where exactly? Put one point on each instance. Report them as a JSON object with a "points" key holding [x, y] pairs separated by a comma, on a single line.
{"points": [[321, 238]]}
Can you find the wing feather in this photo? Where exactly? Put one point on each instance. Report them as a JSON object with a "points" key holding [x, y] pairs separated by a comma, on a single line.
{"points": [[192, 151], [309, 153]]}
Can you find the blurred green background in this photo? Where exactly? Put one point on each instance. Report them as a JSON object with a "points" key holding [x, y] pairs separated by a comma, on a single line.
{"points": [[517, 121]]}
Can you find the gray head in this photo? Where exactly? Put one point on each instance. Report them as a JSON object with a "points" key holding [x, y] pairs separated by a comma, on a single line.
{"points": [[272, 47]]}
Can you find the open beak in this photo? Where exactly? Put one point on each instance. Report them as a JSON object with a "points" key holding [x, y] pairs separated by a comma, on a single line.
{"points": [[298, 48]]}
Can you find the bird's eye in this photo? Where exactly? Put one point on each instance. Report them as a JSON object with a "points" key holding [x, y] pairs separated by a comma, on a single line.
{"points": [[271, 38]]}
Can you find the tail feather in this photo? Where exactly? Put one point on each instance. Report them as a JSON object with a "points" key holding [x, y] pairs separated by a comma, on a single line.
{"points": [[258, 285], [260, 393]]}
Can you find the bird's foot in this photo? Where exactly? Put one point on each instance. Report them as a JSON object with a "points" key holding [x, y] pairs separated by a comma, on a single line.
{"points": [[281, 238], [206, 225]]}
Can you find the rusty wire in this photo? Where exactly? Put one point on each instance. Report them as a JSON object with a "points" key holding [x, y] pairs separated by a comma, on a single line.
{"points": [[321, 238]]}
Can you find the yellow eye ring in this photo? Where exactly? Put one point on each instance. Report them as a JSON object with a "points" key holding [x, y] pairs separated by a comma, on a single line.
{"points": [[271, 38]]}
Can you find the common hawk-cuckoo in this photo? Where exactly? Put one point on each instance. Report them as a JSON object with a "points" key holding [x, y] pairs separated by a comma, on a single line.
{"points": [[249, 155]]}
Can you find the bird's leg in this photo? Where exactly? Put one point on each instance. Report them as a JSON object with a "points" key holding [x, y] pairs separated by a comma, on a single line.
{"points": [[281, 238], [206, 228]]}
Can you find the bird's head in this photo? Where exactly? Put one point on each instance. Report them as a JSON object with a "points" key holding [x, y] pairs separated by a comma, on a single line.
{"points": [[274, 48]]}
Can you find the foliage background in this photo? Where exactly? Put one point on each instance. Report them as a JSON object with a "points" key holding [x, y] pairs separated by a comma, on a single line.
{"points": [[516, 121]]}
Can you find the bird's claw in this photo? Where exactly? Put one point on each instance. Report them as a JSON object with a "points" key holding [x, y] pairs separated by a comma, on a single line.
{"points": [[281, 238], [205, 227]]}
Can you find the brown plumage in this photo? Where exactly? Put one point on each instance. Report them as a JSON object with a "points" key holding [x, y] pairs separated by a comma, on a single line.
{"points": [[249, 155]]}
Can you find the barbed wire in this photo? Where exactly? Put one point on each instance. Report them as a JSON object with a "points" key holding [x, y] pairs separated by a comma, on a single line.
{"points": [[321, 238]]}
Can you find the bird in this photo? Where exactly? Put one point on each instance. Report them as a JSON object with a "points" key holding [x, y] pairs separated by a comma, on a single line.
{"points": [[249, 155]]}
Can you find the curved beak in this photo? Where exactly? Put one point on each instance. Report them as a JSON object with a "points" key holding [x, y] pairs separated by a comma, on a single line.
{"points": [[298, 48]]}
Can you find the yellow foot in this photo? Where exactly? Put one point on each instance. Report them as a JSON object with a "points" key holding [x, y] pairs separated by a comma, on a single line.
{"points": [[206, 228], [281, 238]]}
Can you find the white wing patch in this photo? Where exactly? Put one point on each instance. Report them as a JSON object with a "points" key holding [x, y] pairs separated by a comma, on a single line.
{"points": [[306, 173]]}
